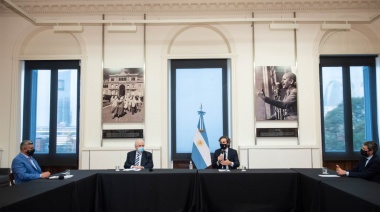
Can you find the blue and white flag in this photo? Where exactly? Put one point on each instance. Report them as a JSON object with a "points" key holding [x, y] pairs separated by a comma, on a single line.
{"points": [[201, 151]]}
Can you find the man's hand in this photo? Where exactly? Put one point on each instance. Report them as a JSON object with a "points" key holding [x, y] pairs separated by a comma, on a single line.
{"points": [[340, 171], [220, 158], [225, 162], [45, 174]]}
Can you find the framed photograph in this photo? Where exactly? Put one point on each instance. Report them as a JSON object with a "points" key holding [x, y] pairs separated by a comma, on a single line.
{"points": [[276, 93], [123, 95]]}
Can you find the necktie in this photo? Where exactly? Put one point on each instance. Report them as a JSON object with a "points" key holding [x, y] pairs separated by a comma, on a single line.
{"points": [[31, 161], [137, 161], [224, 158], [366, 162]]}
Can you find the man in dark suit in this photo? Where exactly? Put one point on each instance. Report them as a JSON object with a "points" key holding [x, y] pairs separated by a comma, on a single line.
{"points": [[225, 157], [368, 167], [139, 159], [24, 167]]}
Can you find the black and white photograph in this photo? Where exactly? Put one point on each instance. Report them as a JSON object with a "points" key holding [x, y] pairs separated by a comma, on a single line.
{"points": [[276, 93], [123, 95]]}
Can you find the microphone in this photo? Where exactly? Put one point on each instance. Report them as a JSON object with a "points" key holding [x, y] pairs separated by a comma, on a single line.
{"points": [[150, 170], [61, 177]]}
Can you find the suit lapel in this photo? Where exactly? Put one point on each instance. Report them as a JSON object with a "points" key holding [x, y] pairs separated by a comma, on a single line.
{"points": [[142, 158], [27, 161]]}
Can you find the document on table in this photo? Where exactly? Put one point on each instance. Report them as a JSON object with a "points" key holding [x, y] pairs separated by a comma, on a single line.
{"points": [[64, 177], [127, 170], [223, 170], [328, 175]]}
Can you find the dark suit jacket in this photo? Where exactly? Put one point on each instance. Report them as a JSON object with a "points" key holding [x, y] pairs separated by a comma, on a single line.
{"points": [[146, 160], [370, 172], [23, 170], [232, 156]]}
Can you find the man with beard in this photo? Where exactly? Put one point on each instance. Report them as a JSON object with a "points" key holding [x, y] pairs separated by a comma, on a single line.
{"points": [[368, 167], [225, 157], [24, 167]]}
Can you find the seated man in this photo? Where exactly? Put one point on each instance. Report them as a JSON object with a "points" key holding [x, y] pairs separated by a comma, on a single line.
{"points": [[225, 157], [139, 159], [24, 167], [368, 167]]}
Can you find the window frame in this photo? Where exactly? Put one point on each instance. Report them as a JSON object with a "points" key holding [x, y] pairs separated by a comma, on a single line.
{"points": [[29, 110], [346, 61], [194, 64]]}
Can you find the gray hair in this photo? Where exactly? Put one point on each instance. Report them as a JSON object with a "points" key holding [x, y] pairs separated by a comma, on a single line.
{"points": [[138, 140], [25, 143]]}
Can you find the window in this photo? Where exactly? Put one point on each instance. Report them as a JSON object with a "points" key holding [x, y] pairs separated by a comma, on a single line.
{"points": [[349, 105], [51, 111], [194, 83]]}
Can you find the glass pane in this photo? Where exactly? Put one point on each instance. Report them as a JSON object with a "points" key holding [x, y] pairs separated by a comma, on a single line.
{"points": [[358, 106], [67, 111], [42, 111], [193, 88], [332, 83]]}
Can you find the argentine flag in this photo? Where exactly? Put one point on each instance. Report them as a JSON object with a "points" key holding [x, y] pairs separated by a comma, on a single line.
{"points": [[201, 151]]}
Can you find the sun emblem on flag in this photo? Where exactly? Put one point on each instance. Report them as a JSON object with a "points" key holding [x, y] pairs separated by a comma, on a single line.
{"points": [[199, 143]]}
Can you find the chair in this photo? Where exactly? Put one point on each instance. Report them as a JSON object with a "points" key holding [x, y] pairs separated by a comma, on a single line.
{"points": [[12, 179], [4, 177]]}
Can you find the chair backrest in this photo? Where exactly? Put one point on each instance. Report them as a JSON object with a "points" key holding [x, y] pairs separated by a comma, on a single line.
{"points": [[4, 172], [12, 179]]}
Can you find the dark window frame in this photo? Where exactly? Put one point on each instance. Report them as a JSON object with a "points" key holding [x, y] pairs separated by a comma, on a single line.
{"points": [[345, 61], [29, 110], [195, 63]]}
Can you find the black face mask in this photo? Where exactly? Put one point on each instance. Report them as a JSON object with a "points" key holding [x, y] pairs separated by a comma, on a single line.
{"points": [[223, 146], [30, 152], [364, 153]]}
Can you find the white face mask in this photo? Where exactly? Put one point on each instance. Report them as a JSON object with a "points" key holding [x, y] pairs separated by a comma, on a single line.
{"points": [[140, 149]]}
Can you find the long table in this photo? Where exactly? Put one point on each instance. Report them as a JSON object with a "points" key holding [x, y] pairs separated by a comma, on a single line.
{"points": [[324, 194], [251, 190], [193, 190]]}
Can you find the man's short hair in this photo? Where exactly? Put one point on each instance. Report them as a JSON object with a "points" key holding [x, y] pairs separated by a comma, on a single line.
{"points": [[227, 139], [138, 140], [372, 146], [25, 143]]}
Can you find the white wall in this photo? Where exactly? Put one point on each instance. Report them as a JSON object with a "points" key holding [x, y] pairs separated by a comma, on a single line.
{"points": [[163, 42]]}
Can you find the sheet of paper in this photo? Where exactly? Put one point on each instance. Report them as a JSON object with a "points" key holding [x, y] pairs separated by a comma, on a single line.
{"points": [[328, 175], [128, 170], [223, 170]]}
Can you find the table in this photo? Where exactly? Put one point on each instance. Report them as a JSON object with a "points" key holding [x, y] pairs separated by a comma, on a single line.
{"points": [[160, 190], [253, 190], [358, 195], [169, 190], [336, 193], [48, 195]]}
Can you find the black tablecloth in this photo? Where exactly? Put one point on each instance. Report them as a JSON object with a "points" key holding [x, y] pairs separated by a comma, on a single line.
{"points": [[50, 195], [159, 190], [253, 190], [350, 195], [191, 190], [310, 188]]}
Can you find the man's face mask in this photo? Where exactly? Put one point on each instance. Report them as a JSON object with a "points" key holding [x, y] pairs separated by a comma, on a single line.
{"points": [[30, 152], [364, 153], [223, 146]]}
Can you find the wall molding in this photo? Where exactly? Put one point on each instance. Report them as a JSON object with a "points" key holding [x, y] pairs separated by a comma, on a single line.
{"points": [[143, 6]]}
